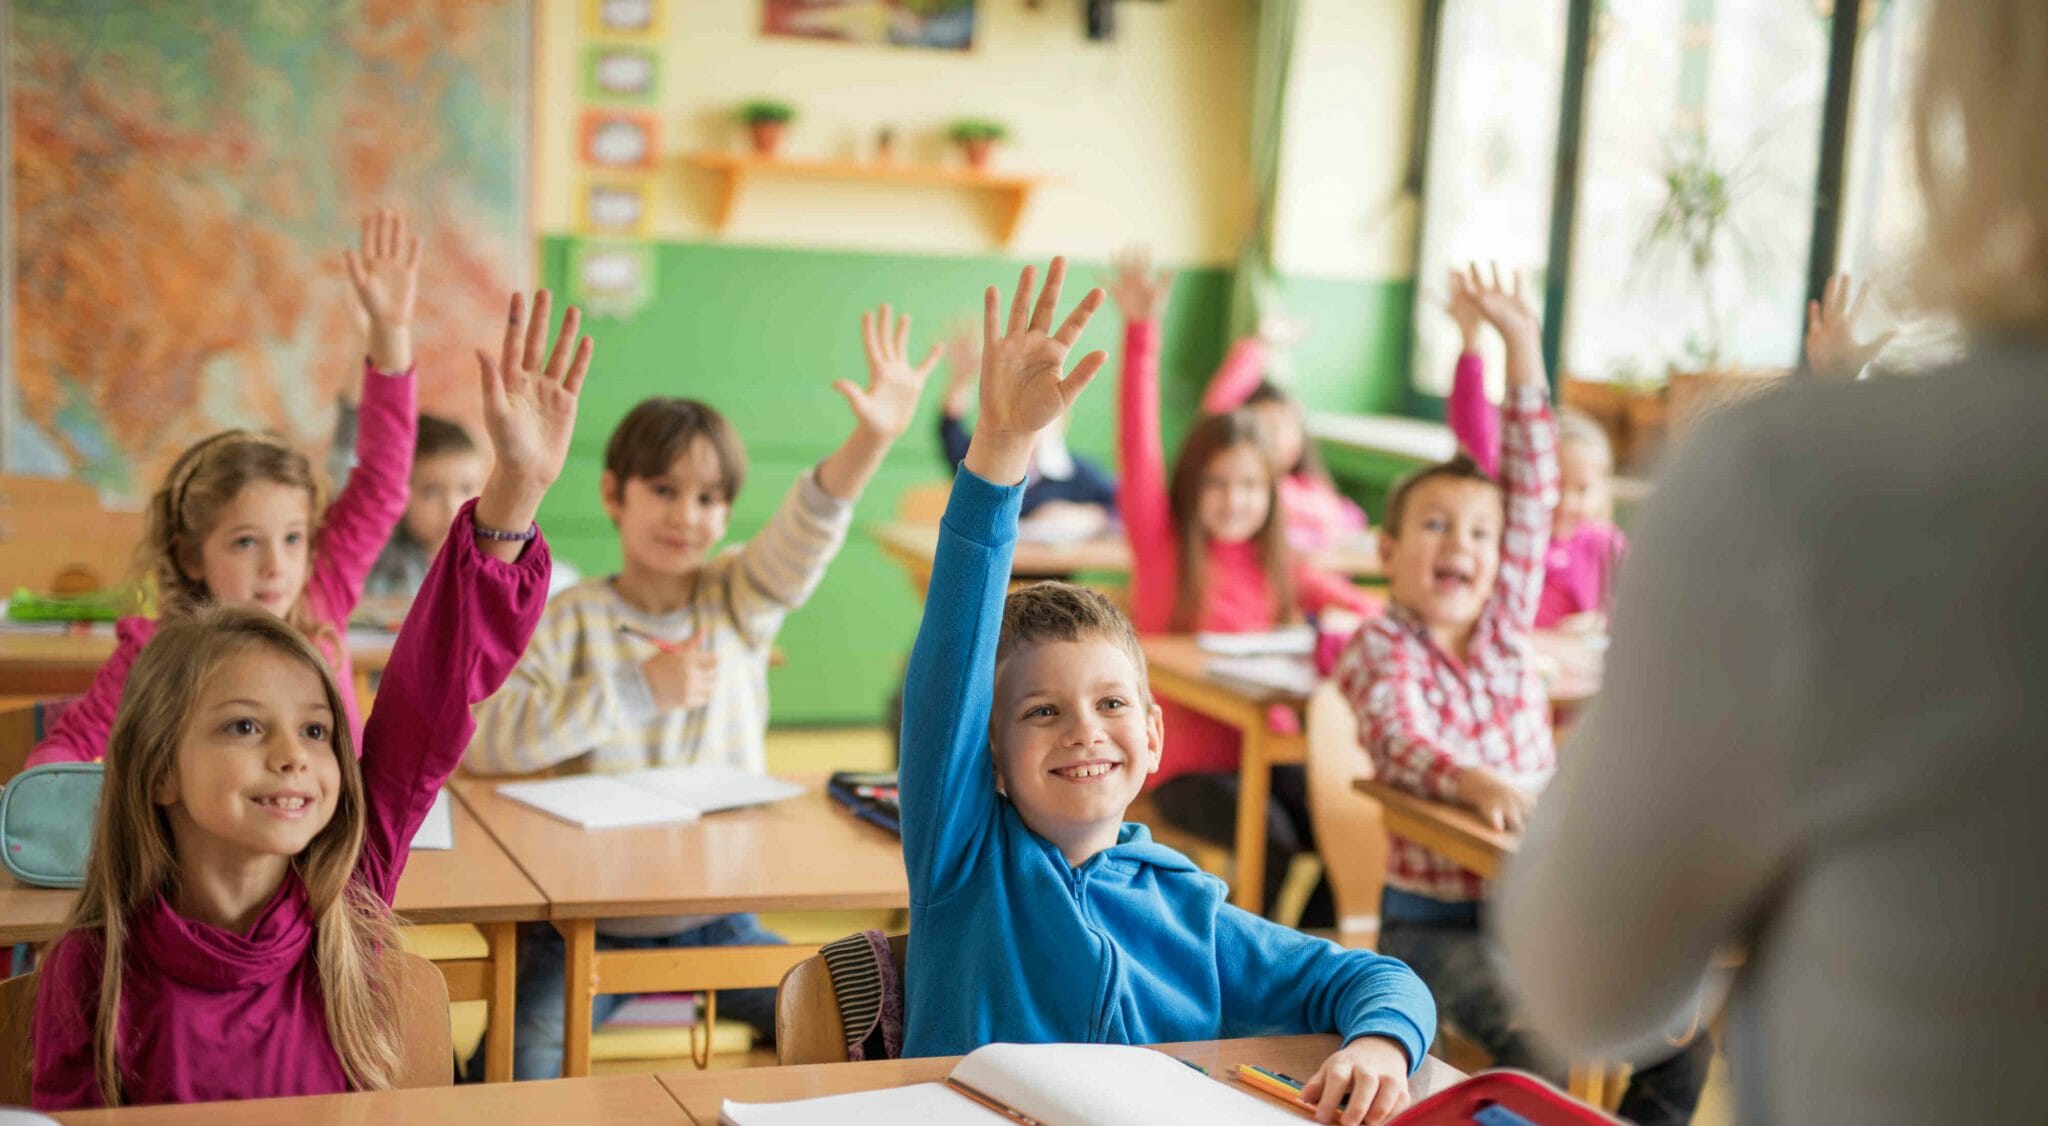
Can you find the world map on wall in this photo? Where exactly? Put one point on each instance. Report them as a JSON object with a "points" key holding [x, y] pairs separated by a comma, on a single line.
{"points": [[185, 178]]}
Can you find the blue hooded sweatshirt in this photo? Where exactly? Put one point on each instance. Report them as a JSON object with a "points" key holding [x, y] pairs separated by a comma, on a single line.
{"points": [[1137, 945]]}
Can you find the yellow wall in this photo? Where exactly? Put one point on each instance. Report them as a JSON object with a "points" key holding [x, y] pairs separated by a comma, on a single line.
{"points": [[1145, 135]]}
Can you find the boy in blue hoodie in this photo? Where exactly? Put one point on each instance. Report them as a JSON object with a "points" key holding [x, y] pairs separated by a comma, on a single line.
{"points": [[1037, 914]]}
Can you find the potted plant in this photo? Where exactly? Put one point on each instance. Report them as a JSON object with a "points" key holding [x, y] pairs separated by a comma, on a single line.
{"points": [[765, 120], [976, 136]]}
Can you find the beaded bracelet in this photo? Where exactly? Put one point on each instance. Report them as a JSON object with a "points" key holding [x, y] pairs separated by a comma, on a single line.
{"points": [[531, 531]]}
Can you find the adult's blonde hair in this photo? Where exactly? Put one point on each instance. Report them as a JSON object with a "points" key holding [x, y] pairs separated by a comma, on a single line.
{"points": [[134, 858], [1983, 169], [205, 479]]}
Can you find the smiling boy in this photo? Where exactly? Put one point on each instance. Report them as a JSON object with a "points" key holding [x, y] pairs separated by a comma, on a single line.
{"points": [[1037, 914]]}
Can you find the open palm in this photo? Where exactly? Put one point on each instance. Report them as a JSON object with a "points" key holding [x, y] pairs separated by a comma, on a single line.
{"points": [[1831, 347], [886, 405], [1024, 386], [1140, 289], [386, 274], [530, 404], [1502, 303]]}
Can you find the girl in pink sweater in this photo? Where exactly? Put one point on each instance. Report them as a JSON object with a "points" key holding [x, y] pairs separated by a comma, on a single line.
{"points": [[231, 937], [1209, 553], [239, 520]]}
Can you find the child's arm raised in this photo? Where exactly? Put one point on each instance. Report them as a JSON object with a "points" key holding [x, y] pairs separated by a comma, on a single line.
{"points": [[1831, 348], [477, 608], [1528, 469], [881, 411], [359, 522], [947, 784], [1475, 422], [1141, 484]]}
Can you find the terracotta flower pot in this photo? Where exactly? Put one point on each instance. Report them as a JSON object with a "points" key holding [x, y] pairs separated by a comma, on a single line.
{"points": [[977, 150], [767, 136]]}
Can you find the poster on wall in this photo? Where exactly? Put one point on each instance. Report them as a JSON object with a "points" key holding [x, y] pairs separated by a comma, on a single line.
{"points": [[182, 190], [940, 24]]}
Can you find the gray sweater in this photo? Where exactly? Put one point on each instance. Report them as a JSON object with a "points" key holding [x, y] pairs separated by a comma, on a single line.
{"points": [[1824, 738]]}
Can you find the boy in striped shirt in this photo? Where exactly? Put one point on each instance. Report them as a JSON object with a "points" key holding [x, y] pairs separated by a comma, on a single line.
{"points": [[666, 662]]}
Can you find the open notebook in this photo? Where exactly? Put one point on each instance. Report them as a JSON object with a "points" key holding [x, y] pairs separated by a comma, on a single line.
{"points": [[1051, 1084], [660, 796]]}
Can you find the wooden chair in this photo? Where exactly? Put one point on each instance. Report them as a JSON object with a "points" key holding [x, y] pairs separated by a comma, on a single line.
{"points": [[18, 733], [808, 1027], [426, 1050], [1349, 834]]}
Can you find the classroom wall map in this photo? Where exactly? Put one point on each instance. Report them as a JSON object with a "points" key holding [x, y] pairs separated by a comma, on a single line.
{"points": [[184, 178]]}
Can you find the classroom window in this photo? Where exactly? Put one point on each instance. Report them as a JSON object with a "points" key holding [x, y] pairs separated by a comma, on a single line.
{"points": [[1491, 160]]}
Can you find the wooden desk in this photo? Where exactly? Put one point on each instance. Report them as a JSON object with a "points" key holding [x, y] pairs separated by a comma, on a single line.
{"points": [[1179, 672], [475, 882], [702, 1093], [1452, 831], [44, 662], [623, 1100], [804, 854], [913, 545]]}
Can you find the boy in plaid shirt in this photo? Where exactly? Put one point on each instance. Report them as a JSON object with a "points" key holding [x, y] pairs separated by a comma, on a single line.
{"points": [[1450, 706]]}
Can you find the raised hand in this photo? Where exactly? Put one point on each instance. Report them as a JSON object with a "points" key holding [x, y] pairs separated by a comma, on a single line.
{"points": [[529, 395], [1507, 309], [886, 405], [1024, 386], [1831, 348], [386, 280], [1462, 305], [1140, 290], [963, 368]]}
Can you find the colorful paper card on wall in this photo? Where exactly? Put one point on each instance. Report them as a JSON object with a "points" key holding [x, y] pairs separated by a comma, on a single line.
{"points": [[623, 18], [620, 139], [614, 207], [620, 74], [611, 279], [940, 24]]}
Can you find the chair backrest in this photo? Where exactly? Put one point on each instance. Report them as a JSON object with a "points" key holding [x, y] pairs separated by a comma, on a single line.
{"points": [[17, 1011], [57, 536], [924, 504], [17, 738], [426, 1040], [1349, 832], [808, 1025], [426, 1052]]}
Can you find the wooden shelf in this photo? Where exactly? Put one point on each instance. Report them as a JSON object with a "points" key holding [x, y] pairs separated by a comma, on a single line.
{"points": [[733, 169]]}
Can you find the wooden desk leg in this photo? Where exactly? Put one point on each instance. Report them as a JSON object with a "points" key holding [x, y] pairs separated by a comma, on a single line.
{"points": [[504, 988], [579, 983], [1587, 1082], [1254, 783]]}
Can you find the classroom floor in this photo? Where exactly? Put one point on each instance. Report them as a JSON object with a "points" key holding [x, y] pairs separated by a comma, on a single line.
{"points": [[821, 750]]}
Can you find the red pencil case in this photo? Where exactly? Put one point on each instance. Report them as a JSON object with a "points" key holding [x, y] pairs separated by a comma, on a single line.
{"points": [[1504, 1097]]}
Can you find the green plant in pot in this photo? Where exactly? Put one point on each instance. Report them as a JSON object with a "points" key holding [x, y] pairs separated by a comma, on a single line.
{"points": [[765, 121], [1697, 223], [977, 137]]}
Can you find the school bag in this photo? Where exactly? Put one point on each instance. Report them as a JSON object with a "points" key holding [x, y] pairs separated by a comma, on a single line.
{"points": [[46, 823]]}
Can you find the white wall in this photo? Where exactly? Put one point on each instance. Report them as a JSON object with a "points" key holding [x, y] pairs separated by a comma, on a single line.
{"points": [[1145, 136]]}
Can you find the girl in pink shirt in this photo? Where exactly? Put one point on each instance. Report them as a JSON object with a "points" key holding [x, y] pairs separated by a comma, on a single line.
{"points": [[1208, 553], [1317, 514], [1586, 548], [230, 939], [239, 520]]}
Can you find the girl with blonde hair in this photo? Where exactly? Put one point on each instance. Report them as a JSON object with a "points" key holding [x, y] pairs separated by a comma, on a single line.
{"points": [[231, 937]]}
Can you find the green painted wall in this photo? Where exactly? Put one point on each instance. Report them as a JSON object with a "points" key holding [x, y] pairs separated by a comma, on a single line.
{"points": [[761, 333]]}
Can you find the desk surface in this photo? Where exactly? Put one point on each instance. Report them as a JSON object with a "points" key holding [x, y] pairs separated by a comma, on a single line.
{"points": [[1178, 656], [804, 854], [702, 1092], [1451, 830], [1360, 559], [42, 648], [474, 882], [626, 1100]]}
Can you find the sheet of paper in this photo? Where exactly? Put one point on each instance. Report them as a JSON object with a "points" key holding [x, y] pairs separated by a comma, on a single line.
{"points": [[1294, 675], [598, 801], [928, 1104], [1111, 1085], [708, 789], [438, 830], [1293, 641]]}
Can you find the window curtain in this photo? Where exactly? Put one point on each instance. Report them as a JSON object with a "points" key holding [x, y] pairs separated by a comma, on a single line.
{"points": [[1253, 284]]}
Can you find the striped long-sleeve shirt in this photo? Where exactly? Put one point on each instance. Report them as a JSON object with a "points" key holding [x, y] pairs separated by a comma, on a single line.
{"points": [[1423, 715], [579, 696]]}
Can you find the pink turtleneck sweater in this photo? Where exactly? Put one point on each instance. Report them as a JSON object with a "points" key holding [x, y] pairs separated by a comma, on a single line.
{"points": [[1238, 598], [209, 1014], [351, 534]]}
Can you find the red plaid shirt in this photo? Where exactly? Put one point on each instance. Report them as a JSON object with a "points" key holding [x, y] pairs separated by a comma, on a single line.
{"points": [[1424, 717]]}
